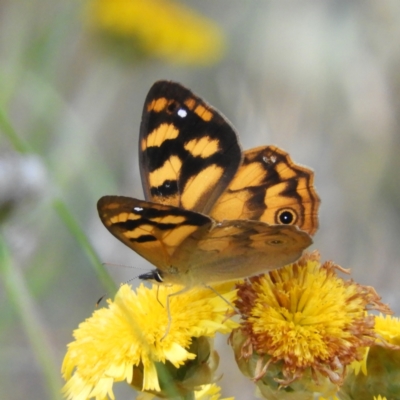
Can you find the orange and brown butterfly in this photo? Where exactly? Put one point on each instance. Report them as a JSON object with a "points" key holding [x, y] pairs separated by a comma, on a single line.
{"points": [[212, 212]]}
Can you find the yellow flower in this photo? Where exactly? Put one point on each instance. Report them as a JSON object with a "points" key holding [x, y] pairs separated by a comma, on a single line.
{"points": [[205, 392], [380, 364], [210, 392], [304, 320], [125, 341], [360, 365], [379, 398], [388, 328], [162, 28]]}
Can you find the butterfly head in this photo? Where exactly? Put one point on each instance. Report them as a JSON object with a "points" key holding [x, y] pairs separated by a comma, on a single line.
{"points": [[154, 276]]}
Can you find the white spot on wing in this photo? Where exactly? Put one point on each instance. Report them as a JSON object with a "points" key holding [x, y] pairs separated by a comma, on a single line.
{"points": [[269, 160], [182, 113]]}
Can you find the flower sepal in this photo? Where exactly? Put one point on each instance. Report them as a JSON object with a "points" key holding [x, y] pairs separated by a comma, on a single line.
{"points": [[269, 377]]}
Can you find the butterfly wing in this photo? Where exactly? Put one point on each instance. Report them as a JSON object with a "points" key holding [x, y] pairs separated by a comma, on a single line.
{"points": [[188, 152], [270, 187], [189, 248], [154, 231], [232, 250]]}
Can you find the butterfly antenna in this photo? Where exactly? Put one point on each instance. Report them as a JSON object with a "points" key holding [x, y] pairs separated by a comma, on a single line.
{"points": [[99, 300], [129, 280], [107, 264], [123, 283]]}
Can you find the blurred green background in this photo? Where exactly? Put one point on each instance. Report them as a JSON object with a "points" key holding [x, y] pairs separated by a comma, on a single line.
{"points": [[320, 79]]}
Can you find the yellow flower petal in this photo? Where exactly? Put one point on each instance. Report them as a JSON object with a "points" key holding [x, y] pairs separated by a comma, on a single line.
{"points": [[210, 392]]}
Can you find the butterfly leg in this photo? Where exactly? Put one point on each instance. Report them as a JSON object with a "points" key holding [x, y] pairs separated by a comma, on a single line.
{"points": [[169, 311], [158, 299], [223, 298]]}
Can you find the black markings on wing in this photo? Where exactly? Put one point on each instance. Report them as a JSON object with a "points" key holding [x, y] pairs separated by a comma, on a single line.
{"points": [[272, 161], [137, 221], [144, 239], [294, 201], [270, 187], [150, 216], [168, 189], [180, 137]]}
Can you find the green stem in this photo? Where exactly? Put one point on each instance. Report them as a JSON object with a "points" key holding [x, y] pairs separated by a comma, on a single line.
{"points": [[189, 396], [77, 232], [24, 306], [61, 209], [5, 126]]}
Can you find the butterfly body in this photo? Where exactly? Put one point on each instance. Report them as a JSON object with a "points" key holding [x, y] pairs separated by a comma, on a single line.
{"points": [[212, 213]]}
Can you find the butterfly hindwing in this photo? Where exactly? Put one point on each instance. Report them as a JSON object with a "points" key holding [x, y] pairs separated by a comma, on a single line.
{"points": [[188, 152], [270, 187], [235, 249]]}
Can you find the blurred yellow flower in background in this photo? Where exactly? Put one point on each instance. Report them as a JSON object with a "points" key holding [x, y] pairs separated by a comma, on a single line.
{"points": [[388, 328], [380, 365], [158, 28], [127, 341]]}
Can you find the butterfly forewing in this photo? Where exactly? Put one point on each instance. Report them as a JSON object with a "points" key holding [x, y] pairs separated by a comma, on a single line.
{"points": [[154, 231], [270, 187], [188, 152]]}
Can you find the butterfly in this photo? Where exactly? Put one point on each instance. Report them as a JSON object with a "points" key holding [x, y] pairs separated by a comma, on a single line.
{"points": [[211, 213]]}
